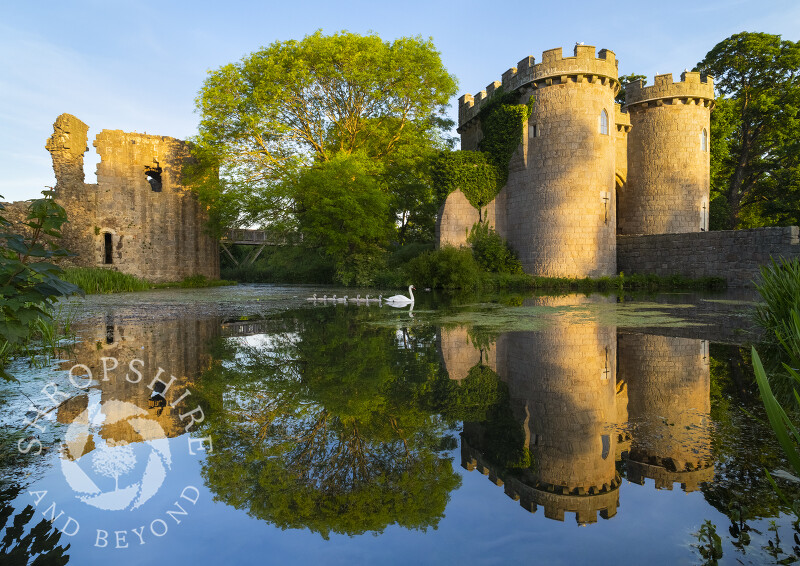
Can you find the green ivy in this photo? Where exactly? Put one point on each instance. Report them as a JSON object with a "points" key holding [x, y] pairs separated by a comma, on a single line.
{"points": [[481, 174], [503, 122], [470, 171]]}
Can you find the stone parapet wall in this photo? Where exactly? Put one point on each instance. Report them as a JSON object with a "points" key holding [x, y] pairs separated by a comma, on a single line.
{"points": [[735, 255], [691, 86]]}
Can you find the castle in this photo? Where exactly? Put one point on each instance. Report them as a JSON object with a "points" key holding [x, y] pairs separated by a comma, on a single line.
{"points": [[138, 218], [588, 170]]}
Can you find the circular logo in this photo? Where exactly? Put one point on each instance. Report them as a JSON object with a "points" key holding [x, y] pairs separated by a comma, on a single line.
{"points": [[115, 456]]}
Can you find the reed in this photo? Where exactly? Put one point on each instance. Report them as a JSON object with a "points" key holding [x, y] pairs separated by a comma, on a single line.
{"points": [[93, 280]]}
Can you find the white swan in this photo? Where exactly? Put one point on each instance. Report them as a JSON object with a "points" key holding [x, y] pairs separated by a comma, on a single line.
{"points": [[401, 300], [314, 298]]}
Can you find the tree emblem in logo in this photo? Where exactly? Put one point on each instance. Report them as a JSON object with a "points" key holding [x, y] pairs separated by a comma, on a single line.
{"points": [[102, 444]]}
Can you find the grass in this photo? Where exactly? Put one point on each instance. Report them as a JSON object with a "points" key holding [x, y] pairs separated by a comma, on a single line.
{"points": [[94, 280]]}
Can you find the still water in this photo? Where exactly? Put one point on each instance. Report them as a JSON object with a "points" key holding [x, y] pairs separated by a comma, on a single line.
{"points": [[249, 425]]}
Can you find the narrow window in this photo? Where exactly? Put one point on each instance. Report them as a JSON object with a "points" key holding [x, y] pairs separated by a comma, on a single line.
{"points": [[704, 140], [153, 175], [533, 131], [108, 249], [606, 442], [604, 122]]}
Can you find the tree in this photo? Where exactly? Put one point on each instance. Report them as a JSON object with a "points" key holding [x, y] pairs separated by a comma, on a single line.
{"points": [[625, 79], [344, 211], [296, 104], [757, 122]]}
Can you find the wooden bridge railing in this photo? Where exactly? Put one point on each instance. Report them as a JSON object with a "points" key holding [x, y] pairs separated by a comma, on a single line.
{"points": [[259, 238]]}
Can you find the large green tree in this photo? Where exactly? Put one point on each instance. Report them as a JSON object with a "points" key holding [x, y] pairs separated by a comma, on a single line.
{"points": [[755, 128], [296, 104]]}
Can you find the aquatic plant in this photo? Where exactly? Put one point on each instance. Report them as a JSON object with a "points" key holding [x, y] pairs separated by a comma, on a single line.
{"points": [[94, 280]]}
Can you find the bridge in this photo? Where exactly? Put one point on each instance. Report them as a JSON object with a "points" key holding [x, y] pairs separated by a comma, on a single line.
{"points": [[258, 239]]}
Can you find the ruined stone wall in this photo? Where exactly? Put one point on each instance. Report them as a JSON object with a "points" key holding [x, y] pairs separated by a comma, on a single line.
{"points": [[668, 162], [156, 225], [735, 255], [179, 346], [668, 382]]}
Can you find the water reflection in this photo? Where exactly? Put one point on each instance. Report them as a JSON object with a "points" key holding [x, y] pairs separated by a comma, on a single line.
{"points": [[114, 350], [324, 423], [586, 397], [344, 420]]}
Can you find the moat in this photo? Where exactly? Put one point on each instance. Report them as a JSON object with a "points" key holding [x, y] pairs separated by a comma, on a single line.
{"points": [[485, 430]]}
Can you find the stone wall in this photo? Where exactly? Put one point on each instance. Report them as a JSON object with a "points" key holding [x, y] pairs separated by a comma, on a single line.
{"points": [[559, 206], [138, 218], [735, 255], [454, 221]]}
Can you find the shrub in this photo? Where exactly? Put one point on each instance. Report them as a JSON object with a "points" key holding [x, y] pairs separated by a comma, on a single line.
{"points": [[491, 251], [445, 268]]}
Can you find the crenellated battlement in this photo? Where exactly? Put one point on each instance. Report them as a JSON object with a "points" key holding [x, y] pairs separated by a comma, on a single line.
{"points": [[532, 494], [553, 69], [690, 480], [693, 88]]}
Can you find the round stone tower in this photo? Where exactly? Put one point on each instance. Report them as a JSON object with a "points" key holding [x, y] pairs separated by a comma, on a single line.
{"points": [[668, 408], [560, 205], [667, 187]]}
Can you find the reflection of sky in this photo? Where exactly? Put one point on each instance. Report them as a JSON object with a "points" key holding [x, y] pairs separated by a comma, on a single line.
{"points": [[482, 526]]}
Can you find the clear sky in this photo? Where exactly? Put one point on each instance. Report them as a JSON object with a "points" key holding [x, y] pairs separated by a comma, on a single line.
{"points": [[138, 65]]}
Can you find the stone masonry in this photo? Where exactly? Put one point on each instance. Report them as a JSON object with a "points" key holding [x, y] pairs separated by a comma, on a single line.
{"points": [[589, 396], [138, 218], [736, 255], [588, 169]]}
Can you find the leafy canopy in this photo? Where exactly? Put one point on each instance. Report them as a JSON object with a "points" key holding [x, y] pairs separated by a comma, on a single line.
{"points": [[296, 103], [755, 147]]}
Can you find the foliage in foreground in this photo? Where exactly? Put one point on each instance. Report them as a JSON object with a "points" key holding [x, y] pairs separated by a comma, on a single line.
{"points": [[780, 289], [29, 283]]}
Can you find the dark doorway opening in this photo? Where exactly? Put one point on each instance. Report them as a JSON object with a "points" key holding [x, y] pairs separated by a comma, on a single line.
{"points": [[108, 249]]}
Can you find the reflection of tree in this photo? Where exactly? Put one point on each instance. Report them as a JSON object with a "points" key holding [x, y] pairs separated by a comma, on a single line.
{"points": [[329, 427], [39, 545], [742, 443]]}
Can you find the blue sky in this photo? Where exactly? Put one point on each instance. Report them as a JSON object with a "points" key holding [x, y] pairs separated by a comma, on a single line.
{"points": [[138, 65]]}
